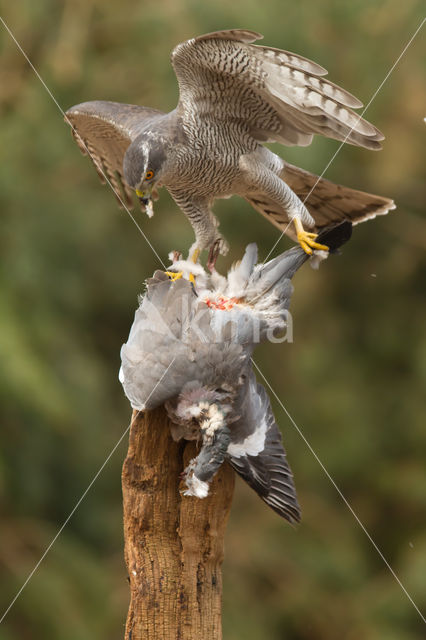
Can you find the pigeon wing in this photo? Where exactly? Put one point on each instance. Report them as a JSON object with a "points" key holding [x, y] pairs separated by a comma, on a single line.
{"points": [[257, 454]]}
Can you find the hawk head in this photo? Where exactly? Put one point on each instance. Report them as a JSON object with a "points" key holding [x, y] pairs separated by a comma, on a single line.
{"points": [[143, 165]]}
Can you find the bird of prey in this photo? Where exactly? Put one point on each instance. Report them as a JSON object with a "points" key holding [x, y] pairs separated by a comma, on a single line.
{"points": [[233, 97], [190, 347]]}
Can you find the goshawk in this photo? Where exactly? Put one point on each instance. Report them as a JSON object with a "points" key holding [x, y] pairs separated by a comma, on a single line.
{"points": [[233, 97]]}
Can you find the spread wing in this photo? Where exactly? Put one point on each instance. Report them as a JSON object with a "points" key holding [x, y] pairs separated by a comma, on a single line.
{"points": [[278, 95], [104, 130], [327, 202], [257, 454]]}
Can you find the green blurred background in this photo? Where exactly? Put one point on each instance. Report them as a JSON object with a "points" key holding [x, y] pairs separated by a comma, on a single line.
{"points": [[353, 380]]}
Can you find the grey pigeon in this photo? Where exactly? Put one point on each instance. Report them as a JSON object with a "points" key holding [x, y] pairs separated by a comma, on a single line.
{"points": [[233, 97], [190, 347]]}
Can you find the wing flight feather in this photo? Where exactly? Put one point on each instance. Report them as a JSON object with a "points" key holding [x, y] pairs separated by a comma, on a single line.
{"points": [[279, 95], [103, 130]]}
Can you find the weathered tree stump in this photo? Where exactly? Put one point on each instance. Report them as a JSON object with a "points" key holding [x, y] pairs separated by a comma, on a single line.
{"points": [[174, 545]]}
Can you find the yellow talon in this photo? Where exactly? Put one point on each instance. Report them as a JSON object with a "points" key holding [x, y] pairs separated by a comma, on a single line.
{"points": [[174, 275], [195, 256], [306, 239], [177, 275]]}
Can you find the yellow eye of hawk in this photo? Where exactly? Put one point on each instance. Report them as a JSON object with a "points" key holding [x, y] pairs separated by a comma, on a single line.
{"points": [[149, 175]]}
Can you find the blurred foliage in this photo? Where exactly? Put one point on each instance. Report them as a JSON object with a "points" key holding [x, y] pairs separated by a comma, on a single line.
{"points": [[73, 264]]}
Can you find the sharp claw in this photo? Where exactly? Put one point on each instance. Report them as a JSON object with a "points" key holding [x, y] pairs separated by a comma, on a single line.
{"points": [[316, 245], [306, 239], [174, 275], [177, 275], [305, 247], [307, 242]]}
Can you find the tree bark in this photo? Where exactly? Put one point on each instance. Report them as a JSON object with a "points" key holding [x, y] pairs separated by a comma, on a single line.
{"points": [[174, 545]]}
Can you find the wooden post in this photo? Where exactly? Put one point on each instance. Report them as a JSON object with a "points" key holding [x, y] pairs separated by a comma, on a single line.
{"points": [[174, 544]]}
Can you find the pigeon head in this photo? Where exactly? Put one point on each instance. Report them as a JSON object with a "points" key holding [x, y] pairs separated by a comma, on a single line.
{"points": [[143, 165]]}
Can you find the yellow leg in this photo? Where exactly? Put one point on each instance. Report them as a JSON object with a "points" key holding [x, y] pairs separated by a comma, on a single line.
{"points": [[307, 239], [195, 256]]}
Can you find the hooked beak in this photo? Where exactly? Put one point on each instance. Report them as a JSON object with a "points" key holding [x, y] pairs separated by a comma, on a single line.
{"points": [[143, 196], [146, 200]]}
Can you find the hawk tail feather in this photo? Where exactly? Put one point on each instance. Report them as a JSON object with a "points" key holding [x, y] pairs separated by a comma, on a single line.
{"points": [[327, 202]]}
